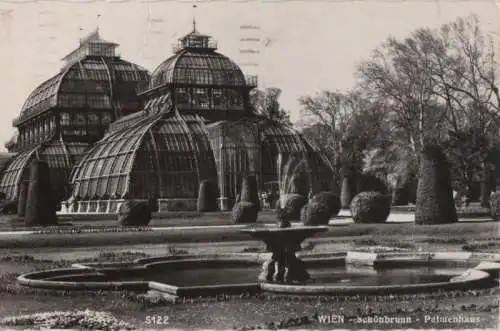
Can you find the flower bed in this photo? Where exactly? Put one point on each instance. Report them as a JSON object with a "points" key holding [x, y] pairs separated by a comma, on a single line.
{"points": [[82, 319]]}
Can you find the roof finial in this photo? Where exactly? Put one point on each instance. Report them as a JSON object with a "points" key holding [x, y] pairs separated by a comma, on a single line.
{"points": [[97, 23], [194, 17]]}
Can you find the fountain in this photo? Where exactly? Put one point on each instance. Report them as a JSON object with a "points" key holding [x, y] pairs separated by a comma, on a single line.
{"points": [[283, 266]]}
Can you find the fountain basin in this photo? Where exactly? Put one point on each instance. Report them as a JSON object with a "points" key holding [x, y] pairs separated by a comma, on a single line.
{"points": [[195, 276]]}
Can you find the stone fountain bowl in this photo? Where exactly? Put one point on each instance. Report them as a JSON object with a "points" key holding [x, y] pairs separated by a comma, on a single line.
{"points": [[210, 275]]}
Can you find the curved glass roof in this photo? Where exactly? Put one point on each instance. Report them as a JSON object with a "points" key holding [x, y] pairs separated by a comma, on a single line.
{"points": [[89, 82], [198, 67], [60, 157], [162, 156]]}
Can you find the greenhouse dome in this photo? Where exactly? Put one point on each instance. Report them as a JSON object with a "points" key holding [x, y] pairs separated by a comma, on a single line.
{"points": [[196, 124]]}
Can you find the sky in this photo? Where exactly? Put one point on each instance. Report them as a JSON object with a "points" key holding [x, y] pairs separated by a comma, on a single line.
{"points": [[305, 47]]}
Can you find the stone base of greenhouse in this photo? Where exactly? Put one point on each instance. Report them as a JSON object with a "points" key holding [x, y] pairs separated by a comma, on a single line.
{"points": [[113, 206]]}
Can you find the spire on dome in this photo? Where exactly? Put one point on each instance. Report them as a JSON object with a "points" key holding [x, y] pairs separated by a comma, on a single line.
{"points": [[194, 18]]}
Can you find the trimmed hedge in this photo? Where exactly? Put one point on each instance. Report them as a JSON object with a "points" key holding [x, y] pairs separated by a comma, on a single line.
{"points": [[249, 192], [207, 197], [245, 212], [495, 205], [23, 197], [40, 205], [330, 199], [292, 207], [315, 213], [435, 203], [370, 207], [134, 213]]}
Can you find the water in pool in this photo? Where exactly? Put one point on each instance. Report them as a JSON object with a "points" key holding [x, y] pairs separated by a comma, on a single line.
{"points": [[338, 275]]}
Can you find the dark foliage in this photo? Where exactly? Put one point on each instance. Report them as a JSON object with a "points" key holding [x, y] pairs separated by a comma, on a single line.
{"points": [[207, 197], [292, 207], [40, 205], [2, 196], [281, 216], [488, 184], [299, 184], [134, 213], [348, 189], [466, 151], [23, 197], [370, 182], [370, 207], [244, 212], [315, 213], [8, 207], [435, 203], [249, 192], [330, 199], [495, 205]]}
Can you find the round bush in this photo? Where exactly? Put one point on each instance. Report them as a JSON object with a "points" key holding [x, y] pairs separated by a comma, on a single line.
{"points": [[244, 212], [331, 200], [370, 207], [435, 203], [249, 192], [207, 197], [134, 213], [495, 205], [315, 213], [292, 207]]}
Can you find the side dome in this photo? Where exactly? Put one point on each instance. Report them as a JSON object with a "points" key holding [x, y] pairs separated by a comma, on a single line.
{"points": [[93, 77]]}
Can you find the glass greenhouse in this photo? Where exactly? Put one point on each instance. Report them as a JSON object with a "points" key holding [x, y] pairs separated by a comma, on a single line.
{"points": [[111, 133]]}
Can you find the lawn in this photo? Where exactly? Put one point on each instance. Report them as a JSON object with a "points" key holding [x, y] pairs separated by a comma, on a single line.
{"points": [[236, 311], [268, 311]]}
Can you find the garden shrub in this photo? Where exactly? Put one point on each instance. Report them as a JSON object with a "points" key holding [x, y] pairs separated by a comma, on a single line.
{"points": [[249, 192], [40, 204], [370, 207], [370, 182], [244, 212], [348, 189], [435, 204], [299, 184], [292, 207], [281, 216], [330, 199], [315, 213], [8, 207], [495, 205], [134, 213], [207, 197]]}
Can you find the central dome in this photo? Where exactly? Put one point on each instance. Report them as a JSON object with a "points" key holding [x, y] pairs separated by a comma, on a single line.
{"points": [[197, 63]]}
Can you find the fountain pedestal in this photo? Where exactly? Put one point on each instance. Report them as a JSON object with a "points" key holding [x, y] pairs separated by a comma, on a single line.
{"points": [[284, 266]]}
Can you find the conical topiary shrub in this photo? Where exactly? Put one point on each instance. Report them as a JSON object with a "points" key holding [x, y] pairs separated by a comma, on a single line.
{"points": [[495, 205], [348, 189], [370, 207], [249, 192], [22, 198], [244, 212], [298, 185], [40, 205], [207, 197], [331, 200], [435, 203]]}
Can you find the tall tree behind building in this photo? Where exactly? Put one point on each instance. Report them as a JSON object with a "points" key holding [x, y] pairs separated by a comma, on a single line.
{"points": [[266, 103]]}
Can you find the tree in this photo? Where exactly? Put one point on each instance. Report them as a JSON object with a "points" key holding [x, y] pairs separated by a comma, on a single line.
{"points": [[266, 103]]}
